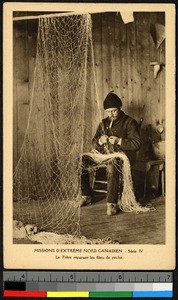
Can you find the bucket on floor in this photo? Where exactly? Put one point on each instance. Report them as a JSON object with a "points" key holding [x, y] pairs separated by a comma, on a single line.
{"points": [[159, 149]]}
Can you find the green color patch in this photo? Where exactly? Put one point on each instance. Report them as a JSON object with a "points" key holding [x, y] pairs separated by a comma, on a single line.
{"points": [[110, 294]]}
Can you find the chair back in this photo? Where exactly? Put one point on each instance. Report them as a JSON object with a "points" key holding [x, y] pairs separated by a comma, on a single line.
{"points": [[140, 124]]}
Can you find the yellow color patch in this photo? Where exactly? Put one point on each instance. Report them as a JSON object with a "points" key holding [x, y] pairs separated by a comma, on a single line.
{"points": [[67, 294]]}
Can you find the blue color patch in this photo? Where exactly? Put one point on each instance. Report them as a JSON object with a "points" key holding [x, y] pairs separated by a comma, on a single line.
{"points": [[153, 294]]}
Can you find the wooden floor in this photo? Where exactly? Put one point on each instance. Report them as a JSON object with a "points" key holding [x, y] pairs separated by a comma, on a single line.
{"points": [[126, 228]]}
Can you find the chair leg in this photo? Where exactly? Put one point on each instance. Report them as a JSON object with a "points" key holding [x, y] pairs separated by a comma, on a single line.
{"points": [[162, 183], [93, 180]]}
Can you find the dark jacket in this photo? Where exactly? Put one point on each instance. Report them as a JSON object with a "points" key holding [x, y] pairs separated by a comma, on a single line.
{"points": [[124, 127]]}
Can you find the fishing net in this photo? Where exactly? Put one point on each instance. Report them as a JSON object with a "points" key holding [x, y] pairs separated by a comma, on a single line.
{"points": [[63, 118], [128, 201], [59, 130]]}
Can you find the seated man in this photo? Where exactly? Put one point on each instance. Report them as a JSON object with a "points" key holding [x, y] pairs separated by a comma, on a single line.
{"points": [[117, 132]]}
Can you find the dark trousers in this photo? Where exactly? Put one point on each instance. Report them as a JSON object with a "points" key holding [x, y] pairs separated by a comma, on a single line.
{"points": [[114, 178]]}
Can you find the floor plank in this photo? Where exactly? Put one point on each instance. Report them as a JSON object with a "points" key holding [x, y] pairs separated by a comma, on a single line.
{"points": [[127, 228]]}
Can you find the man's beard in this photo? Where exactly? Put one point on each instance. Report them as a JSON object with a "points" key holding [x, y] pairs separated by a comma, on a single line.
{"points": [[113, 118]]}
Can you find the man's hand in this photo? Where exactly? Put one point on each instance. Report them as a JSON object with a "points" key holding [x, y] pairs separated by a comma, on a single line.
{"points": [[114, 140], [103, 139]]}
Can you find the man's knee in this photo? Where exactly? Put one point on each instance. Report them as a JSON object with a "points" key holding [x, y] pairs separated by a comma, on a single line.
{"points": [[110, 168], [114, 166]]}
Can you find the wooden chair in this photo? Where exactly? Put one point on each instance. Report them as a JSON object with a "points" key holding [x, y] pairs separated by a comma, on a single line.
{"points": [[145, 167], [148, 165], [99, 185]]}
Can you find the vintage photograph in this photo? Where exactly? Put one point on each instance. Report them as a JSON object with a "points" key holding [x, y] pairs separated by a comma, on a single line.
{"points": [[89, 126]]}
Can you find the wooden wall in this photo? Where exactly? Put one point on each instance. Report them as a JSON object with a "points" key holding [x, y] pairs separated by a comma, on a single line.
{"points": [[123, 53], [24, 55]]}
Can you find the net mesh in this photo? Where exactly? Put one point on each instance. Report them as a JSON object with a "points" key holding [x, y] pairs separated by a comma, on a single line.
{"points": [[47, 177], [64, 116]]}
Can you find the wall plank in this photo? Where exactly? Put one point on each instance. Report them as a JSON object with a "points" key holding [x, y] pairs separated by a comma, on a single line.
{"points": [[162, 87], [97, 42], [111, 46], [118, 66], [15, 103], [32, 48], [105, 56], [123, 60], [21, 71], [154, 82], [132, 106]]}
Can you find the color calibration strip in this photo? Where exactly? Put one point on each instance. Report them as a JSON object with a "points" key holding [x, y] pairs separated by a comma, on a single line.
{"points": [[108, 290], [141, 294]]}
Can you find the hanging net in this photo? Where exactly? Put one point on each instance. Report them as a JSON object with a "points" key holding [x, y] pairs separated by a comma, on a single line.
{"points": [[64, 116], [46, 179]]}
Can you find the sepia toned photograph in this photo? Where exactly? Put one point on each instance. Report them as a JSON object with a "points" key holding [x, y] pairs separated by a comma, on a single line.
{"points": [[90, 127]]}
